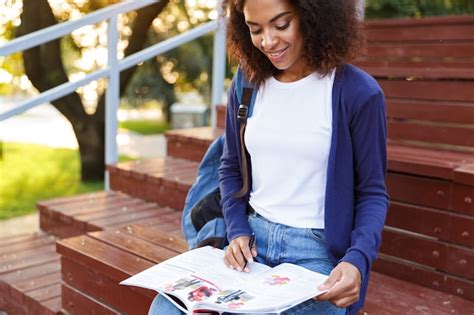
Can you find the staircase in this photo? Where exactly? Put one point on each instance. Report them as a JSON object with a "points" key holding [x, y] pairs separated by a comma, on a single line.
{"points": [[91, 241]]}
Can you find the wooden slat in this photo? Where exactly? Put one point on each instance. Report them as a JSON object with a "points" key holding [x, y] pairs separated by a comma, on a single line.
{"points": [[75, 302], [20, 290], [425, 162], [415, 70], [422, 50], [53, 306], [463, 199], [432, 133], [72, 199], [99, 287], [28, 258], [45, 293], [419, 191], [156, 236], [388, 295], [125, 217], [101, 257], [122, 209], [465, 173], [460, 91], [448, 112], [15, 239], [137, 246], [428, 28], [25, 246], [440, 255], [449, 227], [27, 273], [425, 276]]}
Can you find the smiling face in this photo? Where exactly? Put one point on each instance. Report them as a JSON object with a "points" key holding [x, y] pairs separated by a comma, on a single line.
{"points": [[274, 27]]}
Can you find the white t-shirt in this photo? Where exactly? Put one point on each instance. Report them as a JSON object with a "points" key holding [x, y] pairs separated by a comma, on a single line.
{"points": [[288, 138]]}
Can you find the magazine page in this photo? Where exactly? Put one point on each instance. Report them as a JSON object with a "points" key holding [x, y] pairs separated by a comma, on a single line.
{"points": [[193, 276], [201, 280], [274, 290]]}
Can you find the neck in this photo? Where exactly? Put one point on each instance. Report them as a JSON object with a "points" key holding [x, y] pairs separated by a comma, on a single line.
{"points": [[292, 75]]}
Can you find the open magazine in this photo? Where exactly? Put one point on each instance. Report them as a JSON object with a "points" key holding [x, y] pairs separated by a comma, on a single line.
{"points": [[199, 280]]}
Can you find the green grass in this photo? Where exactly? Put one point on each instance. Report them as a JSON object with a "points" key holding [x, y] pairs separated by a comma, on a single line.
{"points": [[30, 172], [145, 127]]}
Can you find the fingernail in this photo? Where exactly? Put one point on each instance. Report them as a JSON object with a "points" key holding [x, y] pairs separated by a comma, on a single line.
{"points": [[247, 269], [239, 269]]}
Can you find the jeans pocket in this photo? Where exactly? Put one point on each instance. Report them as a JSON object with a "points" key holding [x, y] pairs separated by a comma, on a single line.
{"points": [[317, 234]]}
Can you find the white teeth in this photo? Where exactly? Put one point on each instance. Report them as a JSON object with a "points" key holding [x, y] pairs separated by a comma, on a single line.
{"points": [[276, 54]]}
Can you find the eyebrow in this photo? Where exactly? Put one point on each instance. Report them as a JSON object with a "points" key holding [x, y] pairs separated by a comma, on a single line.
{"points": [[276, 17]]}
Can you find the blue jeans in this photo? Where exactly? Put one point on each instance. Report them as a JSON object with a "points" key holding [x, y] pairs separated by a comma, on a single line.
{"points": [[277, 244]]}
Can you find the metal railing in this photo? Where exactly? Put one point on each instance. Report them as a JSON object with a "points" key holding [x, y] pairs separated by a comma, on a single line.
{"points": [[115, 66]]}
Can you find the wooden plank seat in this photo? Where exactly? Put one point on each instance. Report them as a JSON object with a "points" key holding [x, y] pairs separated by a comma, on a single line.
{"points": [[164, 180], [70, 216], [30, 278], [93, 265], [192, 143]]}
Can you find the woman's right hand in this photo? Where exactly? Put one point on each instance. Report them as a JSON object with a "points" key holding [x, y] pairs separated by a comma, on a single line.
{"points": [[238, 252]]}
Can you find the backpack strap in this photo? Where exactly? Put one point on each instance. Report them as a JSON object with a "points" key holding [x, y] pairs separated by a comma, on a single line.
{"points": [[245, 96]]}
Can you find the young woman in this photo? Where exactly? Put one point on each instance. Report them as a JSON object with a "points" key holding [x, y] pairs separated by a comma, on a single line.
{"points": [[316, 143]]}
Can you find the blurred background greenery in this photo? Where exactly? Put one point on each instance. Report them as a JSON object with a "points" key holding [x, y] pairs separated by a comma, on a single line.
{"points": [[32, 172]]}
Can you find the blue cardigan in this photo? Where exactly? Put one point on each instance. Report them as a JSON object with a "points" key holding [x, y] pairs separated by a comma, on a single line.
{"points": [[356, 197]]}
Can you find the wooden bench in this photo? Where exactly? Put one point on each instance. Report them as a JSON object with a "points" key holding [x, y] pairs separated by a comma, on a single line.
{"points": [[426, 69]]}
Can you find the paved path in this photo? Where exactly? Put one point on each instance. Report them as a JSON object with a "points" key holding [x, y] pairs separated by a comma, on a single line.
{"points": [[45, 125]]}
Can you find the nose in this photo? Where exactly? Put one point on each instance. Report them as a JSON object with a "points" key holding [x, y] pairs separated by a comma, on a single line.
{"points": [[268, 40]]}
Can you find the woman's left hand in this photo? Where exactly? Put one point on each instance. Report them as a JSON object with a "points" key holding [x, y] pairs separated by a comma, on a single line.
{"points": [[343, 285]]}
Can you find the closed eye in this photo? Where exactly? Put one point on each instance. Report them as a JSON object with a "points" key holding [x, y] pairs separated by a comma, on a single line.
{"points": [[255, 32], [283, 27]]}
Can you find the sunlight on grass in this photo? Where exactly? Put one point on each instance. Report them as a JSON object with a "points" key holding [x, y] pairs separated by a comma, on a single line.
{"points": [[146, 126], [29, 173]]}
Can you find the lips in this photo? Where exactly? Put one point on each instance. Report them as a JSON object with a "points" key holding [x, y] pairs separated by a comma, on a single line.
{"points": [[276, 55]]}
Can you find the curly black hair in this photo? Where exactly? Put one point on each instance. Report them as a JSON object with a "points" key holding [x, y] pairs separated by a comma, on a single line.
{"points": [[331, 29]]}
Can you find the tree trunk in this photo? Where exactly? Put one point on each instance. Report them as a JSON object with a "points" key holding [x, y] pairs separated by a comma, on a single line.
{"points": [[91, 150], [45, 69]]}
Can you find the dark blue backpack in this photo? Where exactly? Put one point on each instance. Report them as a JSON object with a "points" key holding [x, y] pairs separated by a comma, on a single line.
{"points": [[202, 221]]}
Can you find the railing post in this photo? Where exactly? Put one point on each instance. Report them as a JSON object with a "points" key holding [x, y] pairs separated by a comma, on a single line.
{"points": [[361, 9], [218, 65], [112, 97]]}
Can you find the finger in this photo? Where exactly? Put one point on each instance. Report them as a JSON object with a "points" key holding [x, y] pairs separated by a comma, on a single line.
{"points": [[254, 250], [341, 289], [345, 301], [246, 251], [231, 259], [239, 257], [331, 280], [227, 263], [335, 291]]}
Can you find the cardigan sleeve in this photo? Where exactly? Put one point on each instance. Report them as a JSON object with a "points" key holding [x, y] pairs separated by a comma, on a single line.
{"points": [[230, 180], [369, 135]]}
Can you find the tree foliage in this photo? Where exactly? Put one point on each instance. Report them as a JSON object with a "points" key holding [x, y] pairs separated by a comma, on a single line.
{"points": [[417, 8]]}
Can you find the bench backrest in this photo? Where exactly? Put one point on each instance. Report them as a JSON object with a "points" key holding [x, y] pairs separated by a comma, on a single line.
{"points": [[426, 69]]}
